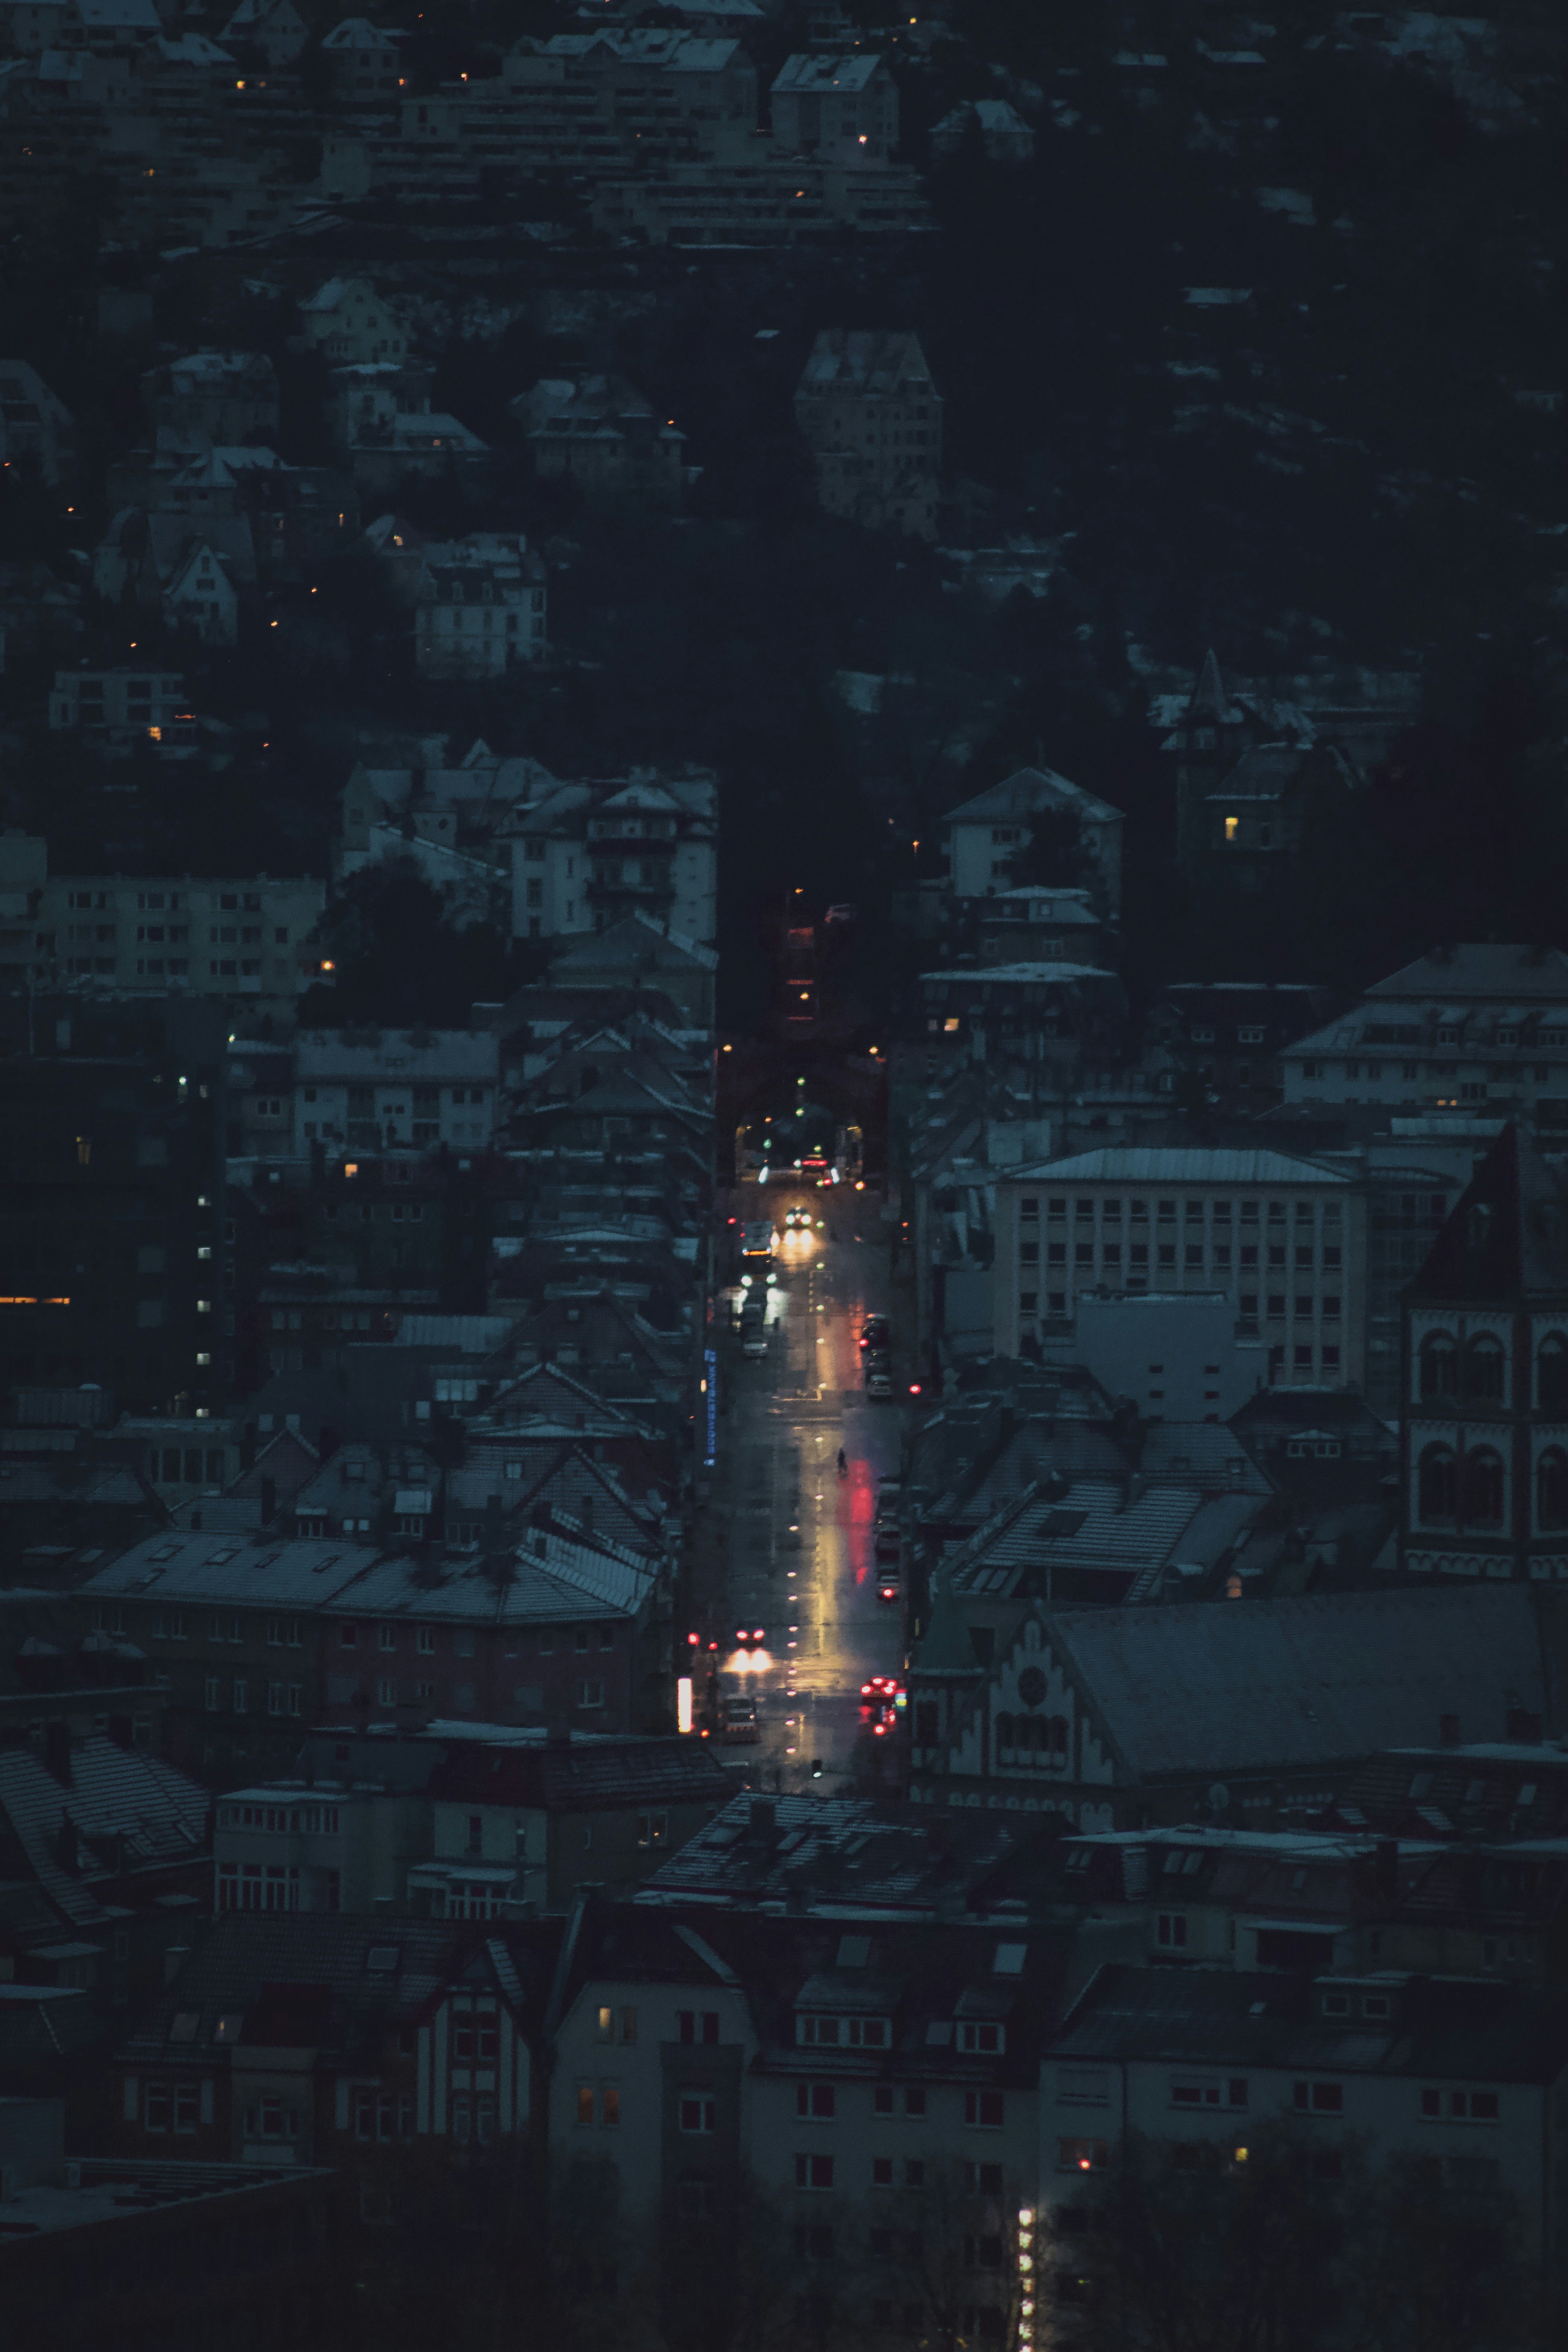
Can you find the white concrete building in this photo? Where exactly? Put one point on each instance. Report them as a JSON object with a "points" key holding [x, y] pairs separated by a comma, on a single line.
{"points": [[988, 835], [1282, 1239], [243, 938], [841, 110], [1459, 2078], [415, 1088], [1176, 1355], [1472, 1028]]}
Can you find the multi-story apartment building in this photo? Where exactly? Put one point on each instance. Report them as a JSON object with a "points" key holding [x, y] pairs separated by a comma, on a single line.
{"points": [[586, 855], [245, 938], [872, 416], [1484, 1417], [374, 1092], [1282, 1238], [480, 607], [1458, 2084], [355, 2042], [124, 705], [460, 1822], [213, 397], [1465, 1028], [841, 110], [875, 2080], [112, 1200], [252, 1637]]}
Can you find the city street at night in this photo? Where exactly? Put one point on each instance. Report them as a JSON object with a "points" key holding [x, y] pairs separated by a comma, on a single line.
{"points": [[797, 1537]]}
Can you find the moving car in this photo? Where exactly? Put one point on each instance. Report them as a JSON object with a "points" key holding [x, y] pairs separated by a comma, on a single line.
{"points": [[878, 1379], [888, 1586], [875, 1333], [738, 1723], [754, 1336]]}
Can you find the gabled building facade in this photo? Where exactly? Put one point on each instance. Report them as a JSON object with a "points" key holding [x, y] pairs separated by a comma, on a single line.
{"points": [[1484, 1435]]}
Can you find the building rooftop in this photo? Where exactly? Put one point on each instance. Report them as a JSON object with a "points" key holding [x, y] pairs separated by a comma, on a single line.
{"points": [[1157, 1164], [1442, 2030], [1267, 1685]]}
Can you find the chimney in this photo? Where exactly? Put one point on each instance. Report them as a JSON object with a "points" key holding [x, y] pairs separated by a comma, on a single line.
{"points": [[65, 1842], [174, 1959], [268, 1500], [1448, 1731], [763, 1816], [1523, 1727]]}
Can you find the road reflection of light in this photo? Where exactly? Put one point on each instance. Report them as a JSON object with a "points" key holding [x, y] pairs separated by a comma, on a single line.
{"points": [[855, 1515], [748, 1662]]}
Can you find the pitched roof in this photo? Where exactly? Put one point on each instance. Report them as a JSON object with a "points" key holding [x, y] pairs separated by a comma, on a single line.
{"points": [[1159, 1164], [1449, 975], [330, 1981], [157, 1813], [1208, 695], [1026, 793], [861, 361], [1257, 1685], [636, 940], [572, 1775], [1440, 2029], [1507, 1236]]}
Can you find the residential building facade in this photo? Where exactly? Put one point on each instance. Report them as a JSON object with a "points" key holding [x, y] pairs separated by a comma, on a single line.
{"points": [[871, 415]]}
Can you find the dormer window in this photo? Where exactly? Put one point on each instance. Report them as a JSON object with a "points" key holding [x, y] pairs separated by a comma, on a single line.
{"points": [[1447, 1035], [982, 2041], [1508, 1036]]}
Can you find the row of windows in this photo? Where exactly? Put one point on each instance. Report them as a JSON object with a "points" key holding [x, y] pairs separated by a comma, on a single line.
{"points": [[1478, 1371], [282, 1698], [286, 1633], [1193, 1212], [1471, 1488], [1218, 1255]]}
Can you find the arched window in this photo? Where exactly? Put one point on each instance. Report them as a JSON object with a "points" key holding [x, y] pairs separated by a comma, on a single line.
{"points": [[1004, 1734], [1484, 1362], [1552, 1373], [1030, 1729], [1437, 1480], [1552, 1488], [1439, 1366], [1059, 1739], [1483, 1489]]}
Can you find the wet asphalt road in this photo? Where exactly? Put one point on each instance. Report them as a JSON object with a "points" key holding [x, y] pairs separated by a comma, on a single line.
{"points": [[798, 1550]]}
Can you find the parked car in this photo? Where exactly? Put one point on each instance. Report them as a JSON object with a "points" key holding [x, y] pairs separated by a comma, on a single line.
{"points": [[878, 1379], [875, 1333]]}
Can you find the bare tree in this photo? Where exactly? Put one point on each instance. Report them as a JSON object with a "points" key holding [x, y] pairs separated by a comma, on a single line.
{"points": [[1282, 2244], [940, 2267]]}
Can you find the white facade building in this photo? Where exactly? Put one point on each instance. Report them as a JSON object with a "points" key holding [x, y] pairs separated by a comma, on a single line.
{"points": [[1475, 1028], [417, 1089], [988, 835], [1282, 1239]]}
